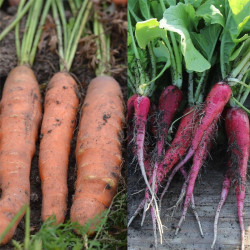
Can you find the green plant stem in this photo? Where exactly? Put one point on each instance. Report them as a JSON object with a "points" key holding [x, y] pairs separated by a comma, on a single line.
{"points": [[64, 24], [25, 57], [75, 33], [13, 221], [240, 66], [103, 47], [27, 229], [176, 68], [177, 57], [241, 105], [160, 74], [59, 35], [231, 82], [222, 63], [25, 35], [191, 87], [141, 72], [73, 7], [173, 64], [137, 19], [153, 64], [243, 74], [131, 86], [78, 3], [1, 2], [17, 19], [39, 31], [17, 37], [246, 92], [200, 85], [80, 30]]}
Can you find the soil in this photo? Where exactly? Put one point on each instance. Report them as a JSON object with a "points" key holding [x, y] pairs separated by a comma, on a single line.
{"points": [[45, 65]]}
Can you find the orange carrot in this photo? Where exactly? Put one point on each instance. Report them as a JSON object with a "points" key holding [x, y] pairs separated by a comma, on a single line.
{"points": [[98, 149], [120, 2], [19, 123], [60, 109]]}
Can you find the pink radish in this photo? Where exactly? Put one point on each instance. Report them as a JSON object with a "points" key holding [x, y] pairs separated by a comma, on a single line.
{"points": [[177, 149], [200, 156], [237, 128], [213, 107]]}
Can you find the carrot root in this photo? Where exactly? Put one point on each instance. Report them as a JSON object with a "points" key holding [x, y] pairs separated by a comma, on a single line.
{"points": [[20, 120], [60, 109]]}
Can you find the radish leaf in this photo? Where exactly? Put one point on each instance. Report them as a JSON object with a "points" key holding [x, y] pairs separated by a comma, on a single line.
{"points": [[182, 19], [147, 31]]}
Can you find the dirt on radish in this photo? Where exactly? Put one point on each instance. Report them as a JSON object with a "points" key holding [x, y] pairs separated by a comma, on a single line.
{"points": [[45, 66]]}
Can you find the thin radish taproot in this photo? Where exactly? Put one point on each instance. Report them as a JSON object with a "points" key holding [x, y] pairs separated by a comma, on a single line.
{"points": [[224, 193]]}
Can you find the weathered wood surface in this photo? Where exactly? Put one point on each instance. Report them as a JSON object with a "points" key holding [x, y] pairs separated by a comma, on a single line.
{"points": [[207, 194]]}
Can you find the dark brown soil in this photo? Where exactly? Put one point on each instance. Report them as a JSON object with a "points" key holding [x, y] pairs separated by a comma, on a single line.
{"points": [[45, 65]]}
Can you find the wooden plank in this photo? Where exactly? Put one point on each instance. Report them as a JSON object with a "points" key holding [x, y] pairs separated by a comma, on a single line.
{"points": [[207, 194]]}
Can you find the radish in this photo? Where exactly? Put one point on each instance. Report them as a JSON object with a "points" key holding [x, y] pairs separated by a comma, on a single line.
{"points": [[177, 149], [200, 156], [213, 107], [237, 128]]}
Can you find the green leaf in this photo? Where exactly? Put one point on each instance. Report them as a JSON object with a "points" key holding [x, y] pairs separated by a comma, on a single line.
{"points": [[156, 9], [240, 50], [237, 21], [241, 13], [144, 7], [161, 53], [211, 13], [195, 3], [181, 19], [171, 2], [206, 40], [147, 31]]}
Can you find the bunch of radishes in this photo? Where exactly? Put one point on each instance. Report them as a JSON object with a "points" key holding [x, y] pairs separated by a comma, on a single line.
{"points": [[198, 125]]}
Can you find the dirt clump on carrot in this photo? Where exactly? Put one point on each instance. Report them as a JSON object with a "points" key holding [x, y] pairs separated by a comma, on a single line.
{"points": [[60, 109], [19, 123], [98, 149]]}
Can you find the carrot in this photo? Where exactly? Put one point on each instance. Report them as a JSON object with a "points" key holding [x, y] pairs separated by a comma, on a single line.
{"points": [[237, 128], [98, 149], [20, 120], [58, 125], [19, 123], [60, 109], [120, 2], [14, 2]]}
